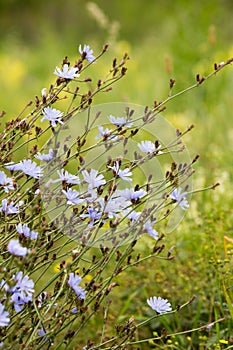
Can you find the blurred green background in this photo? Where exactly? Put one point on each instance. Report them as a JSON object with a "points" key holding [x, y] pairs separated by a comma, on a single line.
{"points": [[172, 38]]}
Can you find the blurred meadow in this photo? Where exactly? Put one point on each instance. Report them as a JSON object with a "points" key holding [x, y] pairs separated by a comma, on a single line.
{"points": [[169, 39]]}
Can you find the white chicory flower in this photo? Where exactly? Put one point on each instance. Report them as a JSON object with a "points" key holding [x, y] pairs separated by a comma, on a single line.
{"points": [[180, 198], [53, 115], [146, 146], [67, 73], [159, 304], [87, 53]]}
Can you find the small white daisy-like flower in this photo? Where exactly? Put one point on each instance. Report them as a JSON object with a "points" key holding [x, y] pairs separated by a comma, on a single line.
{"points": [[131, 194], [86, 52], [159, 304], [67, 177], [146, 146], [180, 198], [73, 282], [148, 226], [53, 115], [92, 215], [10, 207], [114, 206], [4, 316], [46, 157], [123, 174], [13, 166], [67, 73], [105, 133], [120, 121], [6, 182], [15, 248], [132, 215], [93, 179], [72, 197], [25, 230], [27, 167]]}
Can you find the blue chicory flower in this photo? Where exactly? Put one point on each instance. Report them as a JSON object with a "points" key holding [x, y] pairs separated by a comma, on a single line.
{"points": [[15, 248], [4, 316]]}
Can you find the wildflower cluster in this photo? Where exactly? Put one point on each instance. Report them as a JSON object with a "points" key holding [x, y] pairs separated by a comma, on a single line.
{"points": [[106, 191], [89, 194]]}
